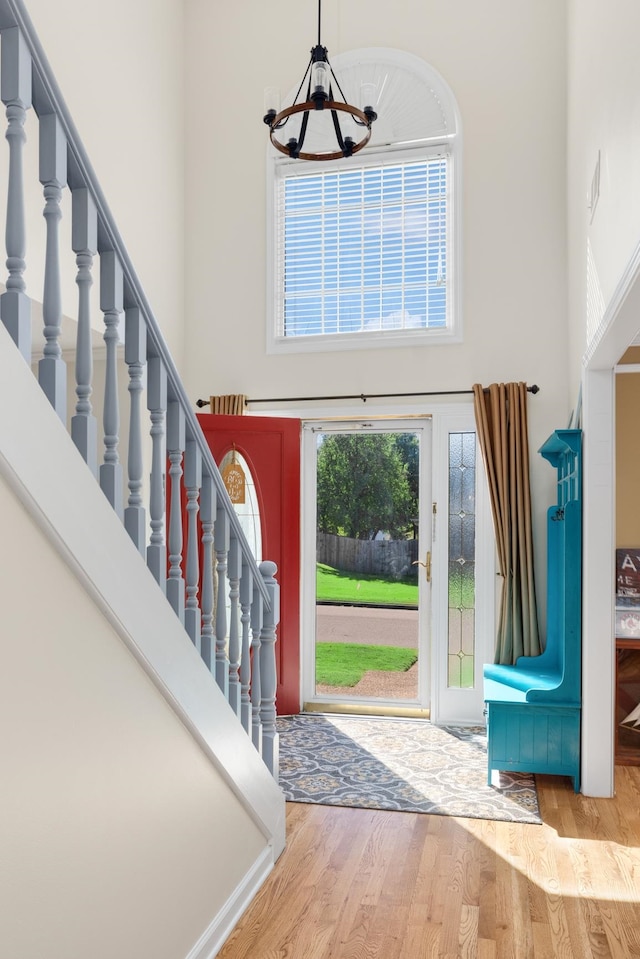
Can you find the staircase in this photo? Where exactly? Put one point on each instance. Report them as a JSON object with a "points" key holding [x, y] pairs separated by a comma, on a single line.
{"points": [[139, 679]]}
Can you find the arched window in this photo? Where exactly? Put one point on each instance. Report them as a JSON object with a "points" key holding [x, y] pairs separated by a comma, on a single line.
{"points": [[247, 511], [364, 251]]}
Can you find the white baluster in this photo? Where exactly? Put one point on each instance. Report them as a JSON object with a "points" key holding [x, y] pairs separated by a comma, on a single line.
{"points": [[157, 406], [221, 543], [257, 616], [207, 513], [135, 355], [84, 242], [175, 448], [234, 573], [52, 370], [268, 675], [246, 595], [192, 482], [111, 304], [15, 89]]}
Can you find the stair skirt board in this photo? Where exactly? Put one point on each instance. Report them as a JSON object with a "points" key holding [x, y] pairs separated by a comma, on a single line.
{"points": [[58, 501]]}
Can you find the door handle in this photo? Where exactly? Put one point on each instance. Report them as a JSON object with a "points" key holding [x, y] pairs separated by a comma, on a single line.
{"points": [[427, 565]]}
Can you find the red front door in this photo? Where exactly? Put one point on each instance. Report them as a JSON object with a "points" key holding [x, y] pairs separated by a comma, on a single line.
{"points": [[271, 447]]}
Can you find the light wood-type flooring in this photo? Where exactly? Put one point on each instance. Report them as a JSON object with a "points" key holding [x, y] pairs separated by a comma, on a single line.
{"points": [[364, 884]]}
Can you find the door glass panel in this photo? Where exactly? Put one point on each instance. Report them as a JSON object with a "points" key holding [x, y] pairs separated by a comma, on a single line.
{"points": [[462, 539], [367, 578], [248, 512]]}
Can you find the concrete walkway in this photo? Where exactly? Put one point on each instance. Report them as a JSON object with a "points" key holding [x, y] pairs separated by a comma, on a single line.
{"points": [[362, 624]]}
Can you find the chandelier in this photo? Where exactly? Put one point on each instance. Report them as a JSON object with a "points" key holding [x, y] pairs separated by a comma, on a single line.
{"points": [[320, 97]]}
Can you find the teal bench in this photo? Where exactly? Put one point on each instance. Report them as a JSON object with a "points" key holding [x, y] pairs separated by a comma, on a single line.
{"points": [[534, 707]]}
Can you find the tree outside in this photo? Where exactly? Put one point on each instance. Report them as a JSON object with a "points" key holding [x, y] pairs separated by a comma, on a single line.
{"points": [[367, 484]]}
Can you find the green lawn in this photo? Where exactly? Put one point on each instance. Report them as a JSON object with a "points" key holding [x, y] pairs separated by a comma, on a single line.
{"points": [[344, 664], [342, 587]]}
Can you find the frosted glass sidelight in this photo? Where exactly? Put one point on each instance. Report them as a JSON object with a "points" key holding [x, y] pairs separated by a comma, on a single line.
{"points": [[462, 534]]}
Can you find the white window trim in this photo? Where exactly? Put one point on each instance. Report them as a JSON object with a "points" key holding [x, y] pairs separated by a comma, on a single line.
{"points": [[380, 154]]}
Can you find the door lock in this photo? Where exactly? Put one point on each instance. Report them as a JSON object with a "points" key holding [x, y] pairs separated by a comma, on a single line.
{"points": [[426, 564]]}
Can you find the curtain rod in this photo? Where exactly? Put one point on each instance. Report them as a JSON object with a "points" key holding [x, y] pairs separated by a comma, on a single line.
{"points": [[356, 396]]}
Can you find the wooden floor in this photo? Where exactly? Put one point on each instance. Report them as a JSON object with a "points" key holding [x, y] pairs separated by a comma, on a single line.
{"points": [[361, 884]]}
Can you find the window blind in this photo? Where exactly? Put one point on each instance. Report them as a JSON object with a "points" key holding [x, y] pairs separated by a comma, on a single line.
{"points": [[363, 250]]}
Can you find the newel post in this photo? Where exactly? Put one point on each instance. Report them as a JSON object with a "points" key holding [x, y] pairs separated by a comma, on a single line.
{"points": [[268, 675]]}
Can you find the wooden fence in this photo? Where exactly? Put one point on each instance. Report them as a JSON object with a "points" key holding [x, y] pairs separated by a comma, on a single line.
{"points": [[390, 558]]}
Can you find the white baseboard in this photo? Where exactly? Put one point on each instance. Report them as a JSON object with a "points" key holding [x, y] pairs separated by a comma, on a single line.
{"points": [[213, 938]]}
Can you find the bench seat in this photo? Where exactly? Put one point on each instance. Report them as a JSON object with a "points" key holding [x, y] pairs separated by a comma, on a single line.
{"points": [[521, 679]]}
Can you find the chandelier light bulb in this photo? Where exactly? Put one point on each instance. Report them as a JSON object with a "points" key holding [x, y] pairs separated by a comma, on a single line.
{"points": [[319, 82], [368, 95], [271, 99]]}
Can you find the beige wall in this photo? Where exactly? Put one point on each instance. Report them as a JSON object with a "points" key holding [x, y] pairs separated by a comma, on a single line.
{"points": [[118, 836], [604, 117], [513, 208], [505, 62], [122, 76], [177, 140], [514, 122], [119, 66], [627, 459], [146, 123]]}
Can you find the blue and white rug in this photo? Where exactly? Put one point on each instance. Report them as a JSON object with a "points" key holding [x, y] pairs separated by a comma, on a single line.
{"points": [[402, 764]]}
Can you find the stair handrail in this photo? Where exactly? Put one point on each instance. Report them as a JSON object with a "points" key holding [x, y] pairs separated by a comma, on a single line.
{"points": [[82, 172]]}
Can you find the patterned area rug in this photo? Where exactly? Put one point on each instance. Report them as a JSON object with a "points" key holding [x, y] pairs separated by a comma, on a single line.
{"points": [[403, 764]]}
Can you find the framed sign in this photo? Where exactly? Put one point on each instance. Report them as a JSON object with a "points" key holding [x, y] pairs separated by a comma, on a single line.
{"points": [[628, 594]]}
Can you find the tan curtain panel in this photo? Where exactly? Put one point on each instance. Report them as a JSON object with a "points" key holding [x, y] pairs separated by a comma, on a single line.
{"points": [[232, 403], [501, 420]]}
